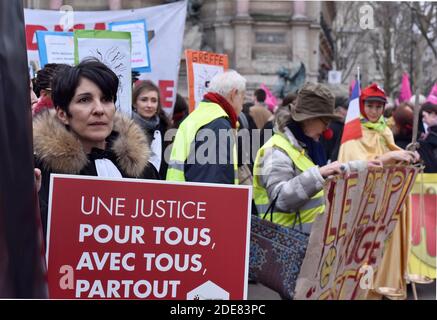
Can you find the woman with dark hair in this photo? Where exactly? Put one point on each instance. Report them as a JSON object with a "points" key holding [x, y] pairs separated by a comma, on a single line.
{"points": [[291, 168], [84, 135], [148, 113], [403, 117]]}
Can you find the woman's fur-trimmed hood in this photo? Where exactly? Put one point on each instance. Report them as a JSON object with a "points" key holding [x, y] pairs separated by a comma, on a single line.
{"points": [[60, 151]]}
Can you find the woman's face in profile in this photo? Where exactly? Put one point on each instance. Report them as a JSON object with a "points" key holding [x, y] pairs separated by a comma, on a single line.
{"points": [[429, 118], [91, 115]]}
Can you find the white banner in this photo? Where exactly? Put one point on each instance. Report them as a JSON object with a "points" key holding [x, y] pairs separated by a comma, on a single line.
{"points": [[114, 50], [140, 44], [165, 26], [202, 66], [334, 77]]}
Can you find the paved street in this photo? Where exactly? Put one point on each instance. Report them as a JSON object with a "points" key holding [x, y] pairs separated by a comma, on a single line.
{"points": [[260, 292]]}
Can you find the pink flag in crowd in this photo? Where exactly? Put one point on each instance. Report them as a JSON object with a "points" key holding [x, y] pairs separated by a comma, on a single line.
{"points": [[271, 100], [432, 97], [405, 93], [352, 126]]}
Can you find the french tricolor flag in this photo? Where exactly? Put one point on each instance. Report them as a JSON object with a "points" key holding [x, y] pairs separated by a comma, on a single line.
{"points": [[352, 125]]}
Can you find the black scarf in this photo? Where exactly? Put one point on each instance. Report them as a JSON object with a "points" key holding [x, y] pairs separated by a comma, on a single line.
{"points": [[314, 148], [432, 135], [107, 153]]}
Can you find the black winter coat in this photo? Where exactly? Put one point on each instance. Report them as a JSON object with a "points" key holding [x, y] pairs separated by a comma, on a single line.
{"points": [[428, 150], [212, 171], [57, 150], [162, 128]]}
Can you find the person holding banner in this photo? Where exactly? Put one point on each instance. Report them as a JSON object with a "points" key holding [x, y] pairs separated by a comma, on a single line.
{"points": [[149, 115], [259, 111], [290, 169], [204, 149], [85, 135], [378, 143]]}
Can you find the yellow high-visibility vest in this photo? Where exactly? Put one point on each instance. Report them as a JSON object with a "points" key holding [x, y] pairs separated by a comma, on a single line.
{"points": [[205, 113], [310, 210]]}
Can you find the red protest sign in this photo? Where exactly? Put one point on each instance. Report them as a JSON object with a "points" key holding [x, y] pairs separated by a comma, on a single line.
{"points": [[139, 239]]}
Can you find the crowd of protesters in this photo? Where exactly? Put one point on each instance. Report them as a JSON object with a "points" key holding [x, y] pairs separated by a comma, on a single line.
{"points": [[77, 130]]}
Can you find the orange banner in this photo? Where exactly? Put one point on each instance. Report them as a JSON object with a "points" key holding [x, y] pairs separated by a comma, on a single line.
{"points": [[202, 66]]}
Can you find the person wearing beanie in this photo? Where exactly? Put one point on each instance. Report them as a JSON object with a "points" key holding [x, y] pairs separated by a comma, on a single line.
{"points": [[332, 142], [377, 142]]}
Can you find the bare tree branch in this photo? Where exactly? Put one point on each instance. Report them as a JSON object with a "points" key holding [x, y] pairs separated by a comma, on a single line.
{"points": [[423, 22]]}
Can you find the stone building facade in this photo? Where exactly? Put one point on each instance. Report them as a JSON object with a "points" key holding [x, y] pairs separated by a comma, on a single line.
{"points": [[259, 37]]}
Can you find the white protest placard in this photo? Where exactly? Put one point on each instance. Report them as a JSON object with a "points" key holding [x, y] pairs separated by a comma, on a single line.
{"points": [[165, 28], [114, 50], [140, 44], [334, 77], [55, 47]]}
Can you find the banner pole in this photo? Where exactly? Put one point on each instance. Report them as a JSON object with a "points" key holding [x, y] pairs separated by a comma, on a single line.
{"points": [[358, 76], [414, 145]]}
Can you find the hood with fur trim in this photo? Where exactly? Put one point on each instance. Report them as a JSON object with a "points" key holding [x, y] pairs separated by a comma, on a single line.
{"points": [[60, 151]]}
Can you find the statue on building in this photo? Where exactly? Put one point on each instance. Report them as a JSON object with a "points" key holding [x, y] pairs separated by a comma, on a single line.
{"points": [[193, 8], [193, 38], [290, 79]]}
